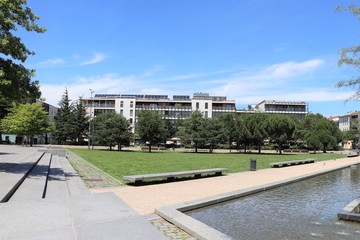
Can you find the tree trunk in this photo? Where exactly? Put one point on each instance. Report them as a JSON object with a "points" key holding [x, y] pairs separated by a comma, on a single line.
{"points": [[280, 148], [196, 147], [259, 148], [230, 146], [150, 147]]}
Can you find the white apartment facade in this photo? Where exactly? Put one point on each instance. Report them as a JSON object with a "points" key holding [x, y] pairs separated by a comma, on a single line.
{"points": [[291, 108], [179, 107]]}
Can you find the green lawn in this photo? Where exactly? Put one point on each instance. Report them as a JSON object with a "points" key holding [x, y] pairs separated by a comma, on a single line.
{"points": [[119, 164]]}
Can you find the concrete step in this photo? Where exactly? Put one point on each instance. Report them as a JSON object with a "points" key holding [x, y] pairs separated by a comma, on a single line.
{"points": [[94, 216], [14, 172], [34, 185], [75, 184], [57, 186]]}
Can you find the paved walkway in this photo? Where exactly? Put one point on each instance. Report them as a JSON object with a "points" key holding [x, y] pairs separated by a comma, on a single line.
{"points": [[51, 202], [144, 199]]}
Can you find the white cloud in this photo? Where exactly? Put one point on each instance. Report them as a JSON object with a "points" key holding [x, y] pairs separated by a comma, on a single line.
{"points": [[313, 95], [265, 80], [52, 62], [107, 83], [96, 58]]}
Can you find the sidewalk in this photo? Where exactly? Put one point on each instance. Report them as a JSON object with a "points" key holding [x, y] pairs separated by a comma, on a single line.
{"points": [[68, 210]]}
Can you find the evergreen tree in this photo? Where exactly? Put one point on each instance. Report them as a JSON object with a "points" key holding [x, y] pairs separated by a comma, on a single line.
{"points": [[65, 127], [81, 121]]}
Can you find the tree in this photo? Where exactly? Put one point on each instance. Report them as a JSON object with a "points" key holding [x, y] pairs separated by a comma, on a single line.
{"points": [[281, 129], [150, 127], [319, 132], [81, 121], [27, 120], [65, 129], [228, 128], [350, 55], [112, 129], [242, 134], [190, 131], [211, 132], [256, 125], [15, 79]]}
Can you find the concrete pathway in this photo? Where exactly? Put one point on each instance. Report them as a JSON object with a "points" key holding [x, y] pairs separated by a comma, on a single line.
{"points": [[145, 199], [65, 209]]}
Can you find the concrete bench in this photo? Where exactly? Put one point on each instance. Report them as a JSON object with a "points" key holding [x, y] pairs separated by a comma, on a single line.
{"points": [[291, 163], [171, 175]]}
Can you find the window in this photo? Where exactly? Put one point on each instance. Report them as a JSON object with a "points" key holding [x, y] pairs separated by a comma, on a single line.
{"points": [[206, 105], [121, 112], [206, 114], [131, 120], [197, 106], [131, 104], [122, 104], [131, 113]]}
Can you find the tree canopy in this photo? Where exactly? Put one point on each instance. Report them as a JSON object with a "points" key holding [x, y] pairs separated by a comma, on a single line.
{"points": [[15, 79], [112, 129], [150, 127], [27, 120], [350, 55]]}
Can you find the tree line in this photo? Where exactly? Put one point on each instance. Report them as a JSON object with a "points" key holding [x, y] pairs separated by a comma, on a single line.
{"points": [[71, 126]]}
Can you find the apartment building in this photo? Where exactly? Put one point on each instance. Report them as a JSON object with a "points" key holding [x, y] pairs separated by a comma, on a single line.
{"points": [[349, 121], [291, 108], [175, 108]]}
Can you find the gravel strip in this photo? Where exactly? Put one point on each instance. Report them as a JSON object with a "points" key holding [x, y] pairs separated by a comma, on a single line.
{"points": [[92, 176]]}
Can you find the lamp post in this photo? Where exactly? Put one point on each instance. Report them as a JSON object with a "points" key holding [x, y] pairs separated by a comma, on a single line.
{"points": [[91, 109]]}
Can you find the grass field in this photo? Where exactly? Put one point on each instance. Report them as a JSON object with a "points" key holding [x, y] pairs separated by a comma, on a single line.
{"points": [[119, 164]]}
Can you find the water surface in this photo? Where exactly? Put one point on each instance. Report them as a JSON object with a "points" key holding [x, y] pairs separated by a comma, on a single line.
{"points": [[303, 210]]}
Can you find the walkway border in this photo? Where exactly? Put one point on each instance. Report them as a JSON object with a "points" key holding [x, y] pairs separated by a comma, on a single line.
{"points": [[175, 213]]}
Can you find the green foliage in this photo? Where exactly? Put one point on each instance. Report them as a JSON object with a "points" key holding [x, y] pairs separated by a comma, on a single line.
{"points": [[119, 164], [81, 124], [281, 129], [150, 127], [228, 128], [191, 130], [65, 129], [15, 80], [350, 55], [319, 132], [27, 120], [111, 129], [257, 127]]}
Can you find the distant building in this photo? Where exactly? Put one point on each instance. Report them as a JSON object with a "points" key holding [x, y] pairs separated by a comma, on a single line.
{"points": [[296, 109], [349, 121], [179, 107]]}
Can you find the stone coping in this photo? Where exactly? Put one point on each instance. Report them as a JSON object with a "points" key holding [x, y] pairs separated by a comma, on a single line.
{"points": [[351, 211], [176, 213]]}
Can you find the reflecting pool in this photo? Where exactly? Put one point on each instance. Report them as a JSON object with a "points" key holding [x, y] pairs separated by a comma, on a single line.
{"points": [[302, 210]]}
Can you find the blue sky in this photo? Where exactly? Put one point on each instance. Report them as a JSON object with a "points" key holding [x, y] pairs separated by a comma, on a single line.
{"points": [[247, 50]]}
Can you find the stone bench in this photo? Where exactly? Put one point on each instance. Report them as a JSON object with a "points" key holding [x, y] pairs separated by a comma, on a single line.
{"points": [[171, 175], [291, 163]]}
